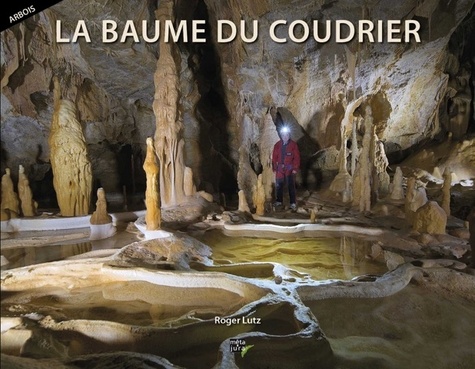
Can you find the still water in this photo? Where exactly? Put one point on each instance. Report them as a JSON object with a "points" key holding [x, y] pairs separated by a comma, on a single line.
{"points": [[29, 248], [319, 258]]}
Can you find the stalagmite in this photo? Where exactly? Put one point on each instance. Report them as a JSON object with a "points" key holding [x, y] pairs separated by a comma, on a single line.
{"points": [[446, 191], [101, 222], [243, 205], [342, 183], [101, 216], [397, 191], [313, 215], [430, 218], [10, 204], [72, 175], [188, 184], [436, 173], [268, 137], [354, 147], [411, 186], [366, 164], [471, 228], [28, 205], [152, 192], [168, 132], [380, 166], [246, 178], [259, 196], [415, 198]]}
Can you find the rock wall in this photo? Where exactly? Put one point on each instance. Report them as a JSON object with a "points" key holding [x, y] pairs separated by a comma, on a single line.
{"points": [[416, 90]]}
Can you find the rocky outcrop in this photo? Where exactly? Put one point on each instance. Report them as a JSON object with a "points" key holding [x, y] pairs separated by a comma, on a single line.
{"points": [[430, 218]]}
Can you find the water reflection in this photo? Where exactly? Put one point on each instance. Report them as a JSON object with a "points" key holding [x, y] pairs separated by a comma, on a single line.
{"points": [[24, 256], [320, 258], [29, 248]]}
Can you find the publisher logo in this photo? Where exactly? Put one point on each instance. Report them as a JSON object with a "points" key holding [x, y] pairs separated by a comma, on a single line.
{"points": [[238, 345]]}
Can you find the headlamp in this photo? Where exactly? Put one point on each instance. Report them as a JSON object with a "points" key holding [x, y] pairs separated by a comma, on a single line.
{"points": [[284, 129]]}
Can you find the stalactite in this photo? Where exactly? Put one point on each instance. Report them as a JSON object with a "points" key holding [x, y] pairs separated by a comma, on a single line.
{"points": [[168, 142], [351, 61]]}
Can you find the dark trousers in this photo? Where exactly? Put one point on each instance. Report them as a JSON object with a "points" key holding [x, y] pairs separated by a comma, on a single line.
{"points": [[279, 188]]}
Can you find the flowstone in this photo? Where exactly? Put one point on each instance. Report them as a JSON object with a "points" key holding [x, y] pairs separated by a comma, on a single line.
{"points": [[72, 173], [123, 303]]}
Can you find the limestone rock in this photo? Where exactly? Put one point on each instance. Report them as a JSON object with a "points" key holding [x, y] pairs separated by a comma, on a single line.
{"points": [[205, 195], [446, 191], [365, 165], [471, 228], [10, 204], [259, 196], [397, 191], [72, 174], [152, 192], [168, 132], [243, 205], [268, 137], [415, 198], [430, 218], [189, 186], [342, 184], [380, 166], [100, 215], [28, 205]]}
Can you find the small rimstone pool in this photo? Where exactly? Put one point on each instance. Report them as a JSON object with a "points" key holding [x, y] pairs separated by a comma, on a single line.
{"points": [[320, 258]]}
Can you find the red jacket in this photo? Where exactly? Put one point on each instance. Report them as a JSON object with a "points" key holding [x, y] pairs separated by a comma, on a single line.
{"points": [[284, 166]]}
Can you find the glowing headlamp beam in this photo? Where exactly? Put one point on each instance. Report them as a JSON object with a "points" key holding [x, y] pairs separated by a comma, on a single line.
{"points": [[284, 129]]}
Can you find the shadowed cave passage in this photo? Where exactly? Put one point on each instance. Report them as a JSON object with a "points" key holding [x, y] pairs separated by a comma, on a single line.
{"points": [[217, 171]]}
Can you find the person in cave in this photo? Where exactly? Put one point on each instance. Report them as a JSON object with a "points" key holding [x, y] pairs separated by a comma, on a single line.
{"points": [[285, 164]]}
